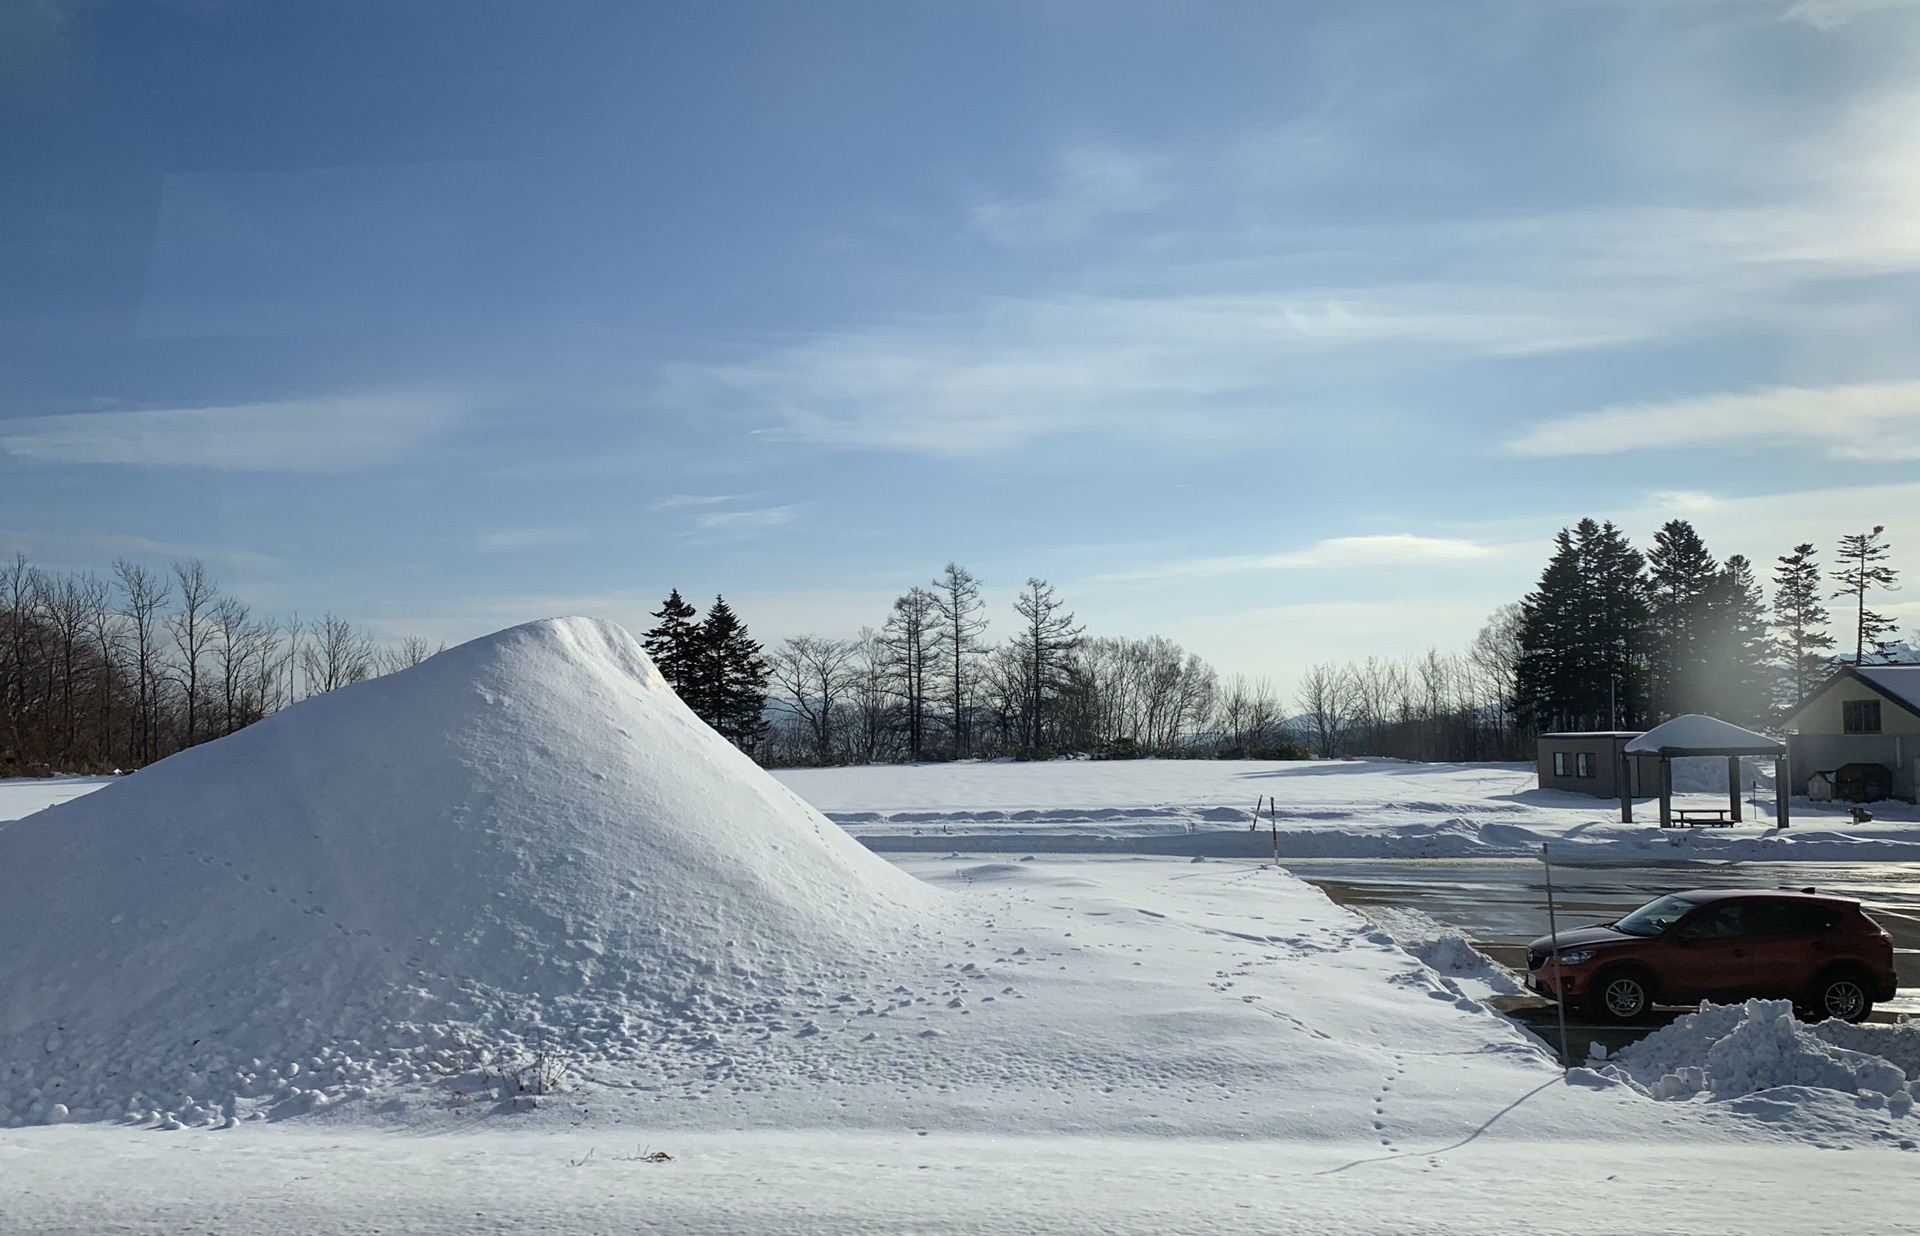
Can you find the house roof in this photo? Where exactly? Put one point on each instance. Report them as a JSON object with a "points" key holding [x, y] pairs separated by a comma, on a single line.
{"points": [[1898, 683], [1694, 734]]}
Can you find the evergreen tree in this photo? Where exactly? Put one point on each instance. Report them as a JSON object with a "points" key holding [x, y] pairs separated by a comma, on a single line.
{"points": [[1682, 581], [672, 644], [1737, 650], [1582, 635], [1798, 616], [730, 682], [1862, 570]]}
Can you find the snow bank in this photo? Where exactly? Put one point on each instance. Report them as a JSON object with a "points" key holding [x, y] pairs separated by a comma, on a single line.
{"points": [[525, 846], [1443, 950], [1732, 1051]]}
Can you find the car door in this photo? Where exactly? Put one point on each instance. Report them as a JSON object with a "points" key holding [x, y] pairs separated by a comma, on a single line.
{"points": [[1707, 955], [1790, 943]]}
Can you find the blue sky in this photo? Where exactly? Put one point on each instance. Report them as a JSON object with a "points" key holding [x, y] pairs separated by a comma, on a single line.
{"points": [[1290, 331]]}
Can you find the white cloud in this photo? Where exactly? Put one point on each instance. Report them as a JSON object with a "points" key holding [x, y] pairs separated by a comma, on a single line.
{"points": [[508, 539], [745, 523], [1091, 181], [1396, 549], [675, 501], [296, 435], [1832, 14], [1869, 421]]}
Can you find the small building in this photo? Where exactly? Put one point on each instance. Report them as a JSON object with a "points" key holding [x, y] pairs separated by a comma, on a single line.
{"points": [[1590, 762], [1865, 714]]}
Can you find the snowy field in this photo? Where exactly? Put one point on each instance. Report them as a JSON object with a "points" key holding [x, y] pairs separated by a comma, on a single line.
{"points": [[468, 948], [1324, 809]]}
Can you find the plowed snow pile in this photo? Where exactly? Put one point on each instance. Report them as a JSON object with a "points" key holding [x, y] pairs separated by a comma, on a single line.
{"points": [[525, 845], [1733, 1051]]}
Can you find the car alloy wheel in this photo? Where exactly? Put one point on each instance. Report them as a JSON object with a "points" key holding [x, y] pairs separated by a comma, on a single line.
{"points": [[1625, 998], [1844, 999]]}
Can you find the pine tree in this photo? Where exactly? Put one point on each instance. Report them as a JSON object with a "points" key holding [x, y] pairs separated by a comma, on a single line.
{"points": [[1682, 577], [730, 684], [1582, 634], [1798, 616], [672, 644], [1863, 569], [1736, 647]]}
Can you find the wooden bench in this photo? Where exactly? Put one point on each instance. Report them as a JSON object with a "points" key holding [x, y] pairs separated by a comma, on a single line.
{"points": [[1701, 818]]}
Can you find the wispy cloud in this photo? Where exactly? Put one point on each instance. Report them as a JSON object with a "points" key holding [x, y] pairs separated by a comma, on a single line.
{"points": [[509, 539], [1394, 549], [1832, 14], [1091, 181], [84, 546], [297, 435], [745, 523], [672, 502], [1868, 421]]}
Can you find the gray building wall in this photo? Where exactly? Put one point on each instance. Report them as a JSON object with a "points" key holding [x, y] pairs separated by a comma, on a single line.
{"points": [[1811, 753]]}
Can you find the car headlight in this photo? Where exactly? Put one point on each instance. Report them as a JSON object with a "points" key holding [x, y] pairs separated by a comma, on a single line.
{"points": [[1573, 957]]}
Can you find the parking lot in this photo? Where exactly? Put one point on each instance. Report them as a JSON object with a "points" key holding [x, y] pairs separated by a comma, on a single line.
{"points": [[1501, 904]]}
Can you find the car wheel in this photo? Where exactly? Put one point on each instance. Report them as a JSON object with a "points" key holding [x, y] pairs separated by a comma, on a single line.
{"points": [[1621, 996], [1842, 995]]}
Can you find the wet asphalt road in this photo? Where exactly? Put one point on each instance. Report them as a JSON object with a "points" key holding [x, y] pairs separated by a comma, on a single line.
{"points": [[1500, 904]]}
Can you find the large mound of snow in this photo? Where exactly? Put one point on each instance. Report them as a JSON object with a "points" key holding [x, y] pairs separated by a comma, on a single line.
{"points": [[1733, 1051], [525, 837]]}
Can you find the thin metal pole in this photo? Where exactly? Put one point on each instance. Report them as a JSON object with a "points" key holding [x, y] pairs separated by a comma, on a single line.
{"points": [[1273, 824], [1553, 928]]}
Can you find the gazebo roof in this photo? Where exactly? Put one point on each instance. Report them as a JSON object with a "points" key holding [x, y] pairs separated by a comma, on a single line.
{"points": [[1695, 734]]}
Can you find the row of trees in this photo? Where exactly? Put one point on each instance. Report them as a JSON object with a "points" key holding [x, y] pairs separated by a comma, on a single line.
{"points": [[929, 684], [714, 666], [1613, 638], [97, 674]]}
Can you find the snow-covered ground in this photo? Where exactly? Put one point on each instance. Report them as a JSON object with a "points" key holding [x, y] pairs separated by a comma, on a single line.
{"points": [[1323, 809], [21, 796], [460, 949]]}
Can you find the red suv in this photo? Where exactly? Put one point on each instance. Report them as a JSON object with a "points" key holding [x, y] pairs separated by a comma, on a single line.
{"points": [[1724, 944]]}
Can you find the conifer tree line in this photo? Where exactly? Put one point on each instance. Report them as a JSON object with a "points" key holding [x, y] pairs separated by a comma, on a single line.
{"points": [[930, 683], [1612, 638], [714, 666], [115, 673]]}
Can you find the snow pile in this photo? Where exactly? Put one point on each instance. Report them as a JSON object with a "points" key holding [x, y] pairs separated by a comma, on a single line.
{"points": [[1731, 1051], [1444, 950], [520, 856]]}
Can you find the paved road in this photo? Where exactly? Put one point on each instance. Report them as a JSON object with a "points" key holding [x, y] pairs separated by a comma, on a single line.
{"points": [[1500, 904]]}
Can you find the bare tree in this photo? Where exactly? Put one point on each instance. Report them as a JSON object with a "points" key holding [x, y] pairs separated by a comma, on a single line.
{"points": [[962, 621], [193, 632], [1322, 700], [408, 653], [909, 637], [812, 673], [336, 656], [143, 594], [1047, 634]]}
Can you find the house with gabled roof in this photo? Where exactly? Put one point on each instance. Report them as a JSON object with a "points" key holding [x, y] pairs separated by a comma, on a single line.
{"points": [[1862, 728]]}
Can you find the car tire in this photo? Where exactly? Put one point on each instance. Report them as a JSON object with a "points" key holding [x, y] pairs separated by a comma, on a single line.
{"points": [[1620, 997], [1845, 994]]}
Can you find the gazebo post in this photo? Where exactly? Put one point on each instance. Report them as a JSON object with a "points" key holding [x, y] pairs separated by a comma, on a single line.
{"points": [[1624, 773], [1666, 790], [1780, 767], [1733, 786]]}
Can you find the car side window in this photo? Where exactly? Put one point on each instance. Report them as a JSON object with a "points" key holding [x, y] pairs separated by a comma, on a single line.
{"points": [[1720, 922], [1782, 917]]}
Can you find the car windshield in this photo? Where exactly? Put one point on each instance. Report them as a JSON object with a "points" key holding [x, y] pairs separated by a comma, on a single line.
{"points": [[1655, 917]]}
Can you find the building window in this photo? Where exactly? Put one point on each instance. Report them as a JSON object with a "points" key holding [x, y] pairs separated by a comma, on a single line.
{"points": [[1860, 716], [1584, 765], [1560, 764]]}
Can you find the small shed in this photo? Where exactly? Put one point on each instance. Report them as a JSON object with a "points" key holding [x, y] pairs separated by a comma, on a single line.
{"points": [[1595, 762], [1697, 735]]}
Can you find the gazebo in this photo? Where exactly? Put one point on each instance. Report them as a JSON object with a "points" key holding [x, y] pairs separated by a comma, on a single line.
{"points": [[1696, 735]]}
